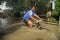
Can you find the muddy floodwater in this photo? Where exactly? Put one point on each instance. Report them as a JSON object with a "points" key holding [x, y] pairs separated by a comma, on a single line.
{"points": [[7, 21], [17, 32]]}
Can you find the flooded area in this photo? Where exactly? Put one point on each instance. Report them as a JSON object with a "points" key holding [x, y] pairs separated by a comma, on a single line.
{"points": [[12, 26], [24, 33], [4, 22]]}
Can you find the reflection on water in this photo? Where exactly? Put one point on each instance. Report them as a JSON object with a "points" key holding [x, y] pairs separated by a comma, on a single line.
{"points": [[4, 22]]}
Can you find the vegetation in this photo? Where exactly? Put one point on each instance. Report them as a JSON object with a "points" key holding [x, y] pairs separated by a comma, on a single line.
{"points": [[57, 9], [42, 6]]}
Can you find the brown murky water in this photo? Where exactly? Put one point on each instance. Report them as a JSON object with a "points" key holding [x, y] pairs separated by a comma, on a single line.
{"points": [[24, 33], [30, 34], [7, 21]]}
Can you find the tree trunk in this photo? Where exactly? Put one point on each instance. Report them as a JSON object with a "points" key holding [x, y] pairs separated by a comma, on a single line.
{"points": [[59, 21]]}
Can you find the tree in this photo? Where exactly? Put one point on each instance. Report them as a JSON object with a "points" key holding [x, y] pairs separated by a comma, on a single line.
{"points": [[19, 5], [42, 7], [57, 8]]}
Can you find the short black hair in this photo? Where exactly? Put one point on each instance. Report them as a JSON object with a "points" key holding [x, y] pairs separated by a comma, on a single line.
{"points": [[32, 6]]}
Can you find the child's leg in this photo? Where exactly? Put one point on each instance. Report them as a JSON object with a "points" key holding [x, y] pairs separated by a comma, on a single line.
{"points": [[30, 24]]}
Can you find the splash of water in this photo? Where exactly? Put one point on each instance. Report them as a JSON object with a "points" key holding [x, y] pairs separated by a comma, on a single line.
{"points": [[3, 7]]}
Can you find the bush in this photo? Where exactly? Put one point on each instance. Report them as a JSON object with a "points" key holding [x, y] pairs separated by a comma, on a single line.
{"points": [[55, 12], [52, 20]]}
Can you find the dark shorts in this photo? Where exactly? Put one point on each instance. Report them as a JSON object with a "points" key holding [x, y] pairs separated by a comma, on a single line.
{"points": [[25, 22]]}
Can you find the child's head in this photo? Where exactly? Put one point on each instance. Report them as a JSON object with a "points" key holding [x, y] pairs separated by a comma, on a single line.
{"points": [[33, 8]]}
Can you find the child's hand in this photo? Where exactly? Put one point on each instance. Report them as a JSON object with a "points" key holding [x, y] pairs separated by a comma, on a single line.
{"points": [[38, 21]]}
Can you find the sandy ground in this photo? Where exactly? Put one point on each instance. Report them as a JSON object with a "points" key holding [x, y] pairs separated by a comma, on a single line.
{"points": [[24, 33]]}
